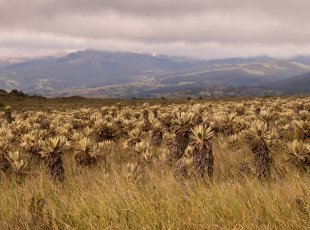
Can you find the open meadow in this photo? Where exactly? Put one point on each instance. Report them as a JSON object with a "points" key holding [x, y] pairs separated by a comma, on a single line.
{"points": [[155, 164]]}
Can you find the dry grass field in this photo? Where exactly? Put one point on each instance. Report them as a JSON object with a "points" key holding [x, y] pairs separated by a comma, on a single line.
{"points": [[94, 164]]}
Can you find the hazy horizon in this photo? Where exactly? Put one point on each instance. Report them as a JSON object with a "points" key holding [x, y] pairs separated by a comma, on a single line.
{"points": [[201, 29], [63, 53]]}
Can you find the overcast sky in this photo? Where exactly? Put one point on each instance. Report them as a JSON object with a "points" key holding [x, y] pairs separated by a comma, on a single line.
{"points": [[198, 28]]}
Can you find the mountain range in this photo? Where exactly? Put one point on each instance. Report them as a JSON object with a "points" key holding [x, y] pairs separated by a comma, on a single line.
{"points": [[105, 74]]}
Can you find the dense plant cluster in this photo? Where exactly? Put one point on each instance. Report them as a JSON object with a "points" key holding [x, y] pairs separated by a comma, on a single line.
{"points": [[158, 135], [183, 139]]}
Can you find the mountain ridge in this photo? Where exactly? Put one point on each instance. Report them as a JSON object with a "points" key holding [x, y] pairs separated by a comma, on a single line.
{"points": [[127, 74]]}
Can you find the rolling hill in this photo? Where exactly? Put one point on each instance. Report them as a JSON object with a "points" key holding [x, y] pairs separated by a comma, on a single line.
{"points": [[86, 69], [121, 74], [291, 86]]}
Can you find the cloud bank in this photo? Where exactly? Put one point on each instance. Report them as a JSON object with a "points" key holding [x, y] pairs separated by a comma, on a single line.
{"points": [[199, 28]]}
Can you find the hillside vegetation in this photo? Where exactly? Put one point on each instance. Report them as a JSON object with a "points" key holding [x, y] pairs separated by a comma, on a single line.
{"points": [[78, 163]]}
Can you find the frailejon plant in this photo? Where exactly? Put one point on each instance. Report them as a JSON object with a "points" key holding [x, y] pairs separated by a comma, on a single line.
{"points": [[147, 124], [203, 159], [304, 127], [184, 165], [256, 138], [145, 154], [4, 162], [299, 154], [228, 123], [84, 155], [233, 142], [17, 164], [8, 114], [135, 137], [105, 130], [31, 144], [52, 150], [157, 134], [182, 123]]}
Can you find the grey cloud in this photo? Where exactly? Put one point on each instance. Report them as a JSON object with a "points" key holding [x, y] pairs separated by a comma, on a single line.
{"points": [[157, 24], [153, 7], [211, 27]]}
